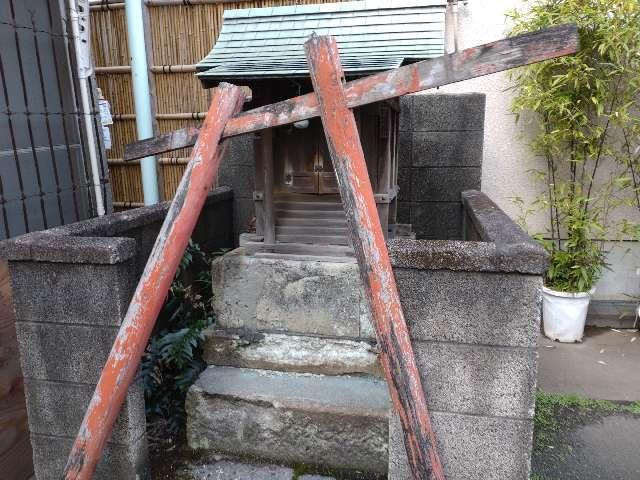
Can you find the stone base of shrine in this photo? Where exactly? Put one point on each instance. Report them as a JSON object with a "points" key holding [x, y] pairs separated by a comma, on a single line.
{"points": [[294, 375]]}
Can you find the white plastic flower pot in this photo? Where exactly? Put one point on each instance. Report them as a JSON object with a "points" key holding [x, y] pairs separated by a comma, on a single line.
{"points": [[564, 314]]}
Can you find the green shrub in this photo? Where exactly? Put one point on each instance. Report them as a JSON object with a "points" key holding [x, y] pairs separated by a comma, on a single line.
{"points": [[173, 359], [589, 126]]}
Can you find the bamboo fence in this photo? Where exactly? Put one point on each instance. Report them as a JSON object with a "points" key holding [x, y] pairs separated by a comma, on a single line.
{"points": [[181, 33]]}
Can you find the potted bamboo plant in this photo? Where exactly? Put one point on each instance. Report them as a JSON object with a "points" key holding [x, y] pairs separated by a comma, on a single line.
{"points": [[585, 109]]}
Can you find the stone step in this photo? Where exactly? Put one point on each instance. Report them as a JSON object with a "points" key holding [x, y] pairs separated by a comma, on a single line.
{"points": [[290, 353], [330, 421], [234, 469]]}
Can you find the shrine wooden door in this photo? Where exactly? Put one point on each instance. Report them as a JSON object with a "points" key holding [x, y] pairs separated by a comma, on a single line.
{"points": [[303, 164]]}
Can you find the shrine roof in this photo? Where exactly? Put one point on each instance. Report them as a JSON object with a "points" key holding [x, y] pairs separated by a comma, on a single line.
{"points": [[372, 35]]}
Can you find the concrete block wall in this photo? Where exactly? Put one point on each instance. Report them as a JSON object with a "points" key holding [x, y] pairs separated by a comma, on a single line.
{"points": [[71, 290], [440, 155], [473, 312]]}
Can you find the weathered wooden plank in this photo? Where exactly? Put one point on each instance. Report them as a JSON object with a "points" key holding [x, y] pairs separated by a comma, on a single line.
{"points": [[473, 62], [396, 357], [124, 358], [166, 142]]}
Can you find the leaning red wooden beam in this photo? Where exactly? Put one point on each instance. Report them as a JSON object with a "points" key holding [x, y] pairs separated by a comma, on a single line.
{"points": [[396, 357], [473, 62], [133, 336]]}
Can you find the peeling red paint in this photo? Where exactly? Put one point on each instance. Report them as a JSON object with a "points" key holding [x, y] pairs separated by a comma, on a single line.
{"points": [[132, 338], [472, 62], [365, 232]]}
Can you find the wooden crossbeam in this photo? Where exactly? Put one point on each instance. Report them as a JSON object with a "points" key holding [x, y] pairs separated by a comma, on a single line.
{"points": [[470, 63]]}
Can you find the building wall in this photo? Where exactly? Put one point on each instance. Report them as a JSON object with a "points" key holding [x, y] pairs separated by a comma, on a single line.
{"points": [[507, 158]]}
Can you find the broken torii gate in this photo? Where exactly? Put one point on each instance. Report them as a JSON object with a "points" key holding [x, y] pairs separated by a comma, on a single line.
{"points": [[332, 100]]}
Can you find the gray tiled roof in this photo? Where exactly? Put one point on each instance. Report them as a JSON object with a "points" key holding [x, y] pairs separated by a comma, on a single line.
{"points": [[372, 35]]}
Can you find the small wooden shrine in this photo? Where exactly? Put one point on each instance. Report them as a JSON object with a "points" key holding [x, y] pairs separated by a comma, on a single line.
{"points": [[296, 193]]}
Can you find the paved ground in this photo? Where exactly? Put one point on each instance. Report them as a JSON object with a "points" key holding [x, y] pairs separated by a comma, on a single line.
{"points": [[606, 365], [582, 439]]}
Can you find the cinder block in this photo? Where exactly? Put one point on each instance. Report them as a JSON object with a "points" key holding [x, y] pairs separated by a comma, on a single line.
{"points": [[443, 184], [66, 293], [57, 409], [470, 447], [333, 421], [437, 220], [447, 112], [68, 353], [240, 178], [404, 184], [281, 295], [122, 462], [405, 149], [471, 307], [478, 380], [406, 106], [447, 149], [241, 151]]}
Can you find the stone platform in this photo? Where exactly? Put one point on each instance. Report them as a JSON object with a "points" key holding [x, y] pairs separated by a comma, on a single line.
{"points": [[293, 373]]}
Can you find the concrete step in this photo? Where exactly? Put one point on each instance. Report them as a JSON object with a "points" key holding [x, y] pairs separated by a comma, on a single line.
{"points": [[311, 230], [237, 469], [331, 421], [314, 239], [290, 353]]}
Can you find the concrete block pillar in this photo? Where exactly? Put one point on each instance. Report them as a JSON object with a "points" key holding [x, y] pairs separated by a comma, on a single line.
{"points": [[473, 310], [68, 313], [71, 290]]}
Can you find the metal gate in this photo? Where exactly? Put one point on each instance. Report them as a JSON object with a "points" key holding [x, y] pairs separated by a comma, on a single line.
{"points": [[45, 174]]}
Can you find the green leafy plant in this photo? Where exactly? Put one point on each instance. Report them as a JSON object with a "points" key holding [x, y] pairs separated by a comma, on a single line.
{"points": [[589, 125], [172, 361]]}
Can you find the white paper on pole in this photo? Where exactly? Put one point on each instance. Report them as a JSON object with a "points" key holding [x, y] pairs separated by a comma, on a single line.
{"points": [[105, 112], [106, 136]]}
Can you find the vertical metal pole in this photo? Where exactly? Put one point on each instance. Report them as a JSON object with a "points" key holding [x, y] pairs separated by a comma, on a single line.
{"points": [[79, 13], [120, 368], [396, 357], [141, 95]]}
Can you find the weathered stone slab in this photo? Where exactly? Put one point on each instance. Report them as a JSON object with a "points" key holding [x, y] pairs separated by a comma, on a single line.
{"points": [[280, 295], [471, 307], [471, 447], [333, 421], [227, 470], [478, 380], [290, 353]]}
